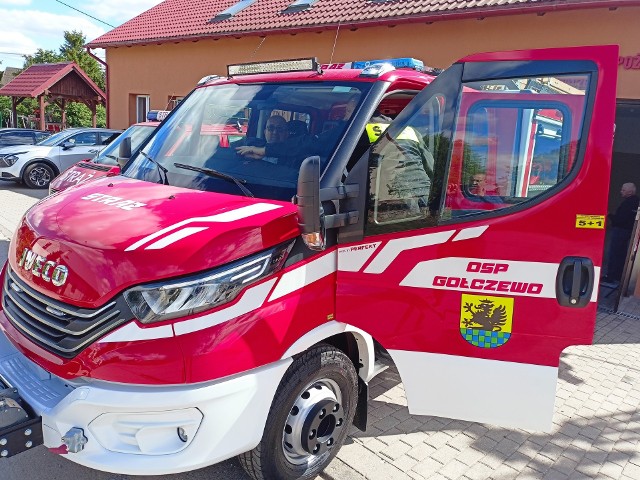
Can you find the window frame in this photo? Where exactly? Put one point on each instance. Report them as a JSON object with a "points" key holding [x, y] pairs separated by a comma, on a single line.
{"points": [[147, 99], [510, 200]]}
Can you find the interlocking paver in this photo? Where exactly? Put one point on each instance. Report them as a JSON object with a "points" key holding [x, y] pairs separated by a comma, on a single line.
{"points": [[453, 470], [421, 451], [428, 467], [479, 471], [611, 470]]}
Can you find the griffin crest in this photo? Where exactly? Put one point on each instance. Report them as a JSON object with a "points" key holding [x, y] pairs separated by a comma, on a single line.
{"points": [[485, 316]]}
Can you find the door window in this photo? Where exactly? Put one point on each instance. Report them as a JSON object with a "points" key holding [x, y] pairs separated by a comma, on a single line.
{"points": [[403, 170], [107, 137], [86, 138], [514, 139]]}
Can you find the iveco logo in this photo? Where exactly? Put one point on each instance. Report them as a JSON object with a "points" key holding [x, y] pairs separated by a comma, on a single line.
{"points": [[41, 267]]}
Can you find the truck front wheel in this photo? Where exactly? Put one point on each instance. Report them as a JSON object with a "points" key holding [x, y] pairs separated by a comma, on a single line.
{"points": [[309, 418]]}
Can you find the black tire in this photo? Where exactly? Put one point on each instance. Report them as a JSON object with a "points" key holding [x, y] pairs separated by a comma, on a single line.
{"points": [[38, 175], [330, 380]]}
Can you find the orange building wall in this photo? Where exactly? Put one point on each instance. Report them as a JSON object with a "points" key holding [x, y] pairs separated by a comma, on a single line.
{"points": [[170, 69]]}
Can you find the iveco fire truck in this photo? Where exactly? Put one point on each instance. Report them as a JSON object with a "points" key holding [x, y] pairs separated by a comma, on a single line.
{"points": [[237, 297]]}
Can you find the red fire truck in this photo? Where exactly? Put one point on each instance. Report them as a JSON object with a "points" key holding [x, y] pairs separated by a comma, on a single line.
{"points": [[188, 311]]}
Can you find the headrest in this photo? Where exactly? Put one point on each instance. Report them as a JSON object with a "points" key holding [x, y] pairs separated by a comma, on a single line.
{"points": [[297, 128]]}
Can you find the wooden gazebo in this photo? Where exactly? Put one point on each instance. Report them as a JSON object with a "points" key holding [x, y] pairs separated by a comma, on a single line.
{"points": [[54, 83]]}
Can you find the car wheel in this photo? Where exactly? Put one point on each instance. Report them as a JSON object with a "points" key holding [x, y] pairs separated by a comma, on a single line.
{"points": [[38, 175], [309, 418]]}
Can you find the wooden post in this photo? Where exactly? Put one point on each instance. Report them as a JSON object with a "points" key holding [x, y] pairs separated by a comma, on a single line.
{"points": [[41, 107], [14, 112], [94, 120], [63, 108]]}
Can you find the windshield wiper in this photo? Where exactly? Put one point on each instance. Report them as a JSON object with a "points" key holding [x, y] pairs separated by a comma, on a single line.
{"points": [[161, 169], [214, 173], [110, 156]]}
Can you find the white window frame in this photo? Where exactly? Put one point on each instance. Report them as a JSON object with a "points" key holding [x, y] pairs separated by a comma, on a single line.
{"points": [[147, 99]]}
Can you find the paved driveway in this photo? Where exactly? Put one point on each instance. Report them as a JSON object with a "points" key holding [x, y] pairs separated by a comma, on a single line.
{"points": [[596, 425]]}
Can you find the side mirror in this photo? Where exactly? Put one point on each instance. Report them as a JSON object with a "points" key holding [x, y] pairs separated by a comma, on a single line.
{"points": [[309, 207], [124, 152], [68, 145]]}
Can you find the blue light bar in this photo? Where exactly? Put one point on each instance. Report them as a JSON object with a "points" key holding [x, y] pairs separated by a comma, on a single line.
{"points": [[395, 62], [156, 115]]}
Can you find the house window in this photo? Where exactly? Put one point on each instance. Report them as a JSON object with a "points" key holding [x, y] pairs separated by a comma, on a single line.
{"points": [[142, 108], [173, 102]]}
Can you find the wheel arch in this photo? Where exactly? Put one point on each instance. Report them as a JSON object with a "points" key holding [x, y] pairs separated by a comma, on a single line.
{"points": [[56, 171], [357, 344]]}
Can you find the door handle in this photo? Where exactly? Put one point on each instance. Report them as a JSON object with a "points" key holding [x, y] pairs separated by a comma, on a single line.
{"points": [[574, 282]]}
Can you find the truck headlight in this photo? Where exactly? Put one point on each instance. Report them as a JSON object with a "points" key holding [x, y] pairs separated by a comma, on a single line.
{"points": [[9, 160], [155, 302]]}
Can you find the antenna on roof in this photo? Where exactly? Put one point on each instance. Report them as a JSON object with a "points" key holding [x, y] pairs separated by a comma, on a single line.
{"points": [[257, 48], [335, 41]]}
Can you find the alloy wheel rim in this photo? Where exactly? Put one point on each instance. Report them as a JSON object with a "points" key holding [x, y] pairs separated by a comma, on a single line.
{"points": [[39, 176]]}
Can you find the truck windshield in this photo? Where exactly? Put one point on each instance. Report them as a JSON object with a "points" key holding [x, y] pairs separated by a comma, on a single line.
{"points": [[258, 134]]}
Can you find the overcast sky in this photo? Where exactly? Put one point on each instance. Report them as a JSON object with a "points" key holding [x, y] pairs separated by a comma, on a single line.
{"points": [[31, 24]]}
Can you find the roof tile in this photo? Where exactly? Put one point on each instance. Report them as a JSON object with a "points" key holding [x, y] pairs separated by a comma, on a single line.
{"points": [[40, 77], [180, 19]]}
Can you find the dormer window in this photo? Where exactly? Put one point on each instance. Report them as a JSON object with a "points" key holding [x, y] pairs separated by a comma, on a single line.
{"points": [[299, 6], [232, 10]]}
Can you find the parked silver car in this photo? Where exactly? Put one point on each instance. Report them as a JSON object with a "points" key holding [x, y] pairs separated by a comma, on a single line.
{"points": [[36, 165]]}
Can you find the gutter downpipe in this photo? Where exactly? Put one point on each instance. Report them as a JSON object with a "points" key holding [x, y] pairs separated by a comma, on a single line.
{"points": [[106, 72]]}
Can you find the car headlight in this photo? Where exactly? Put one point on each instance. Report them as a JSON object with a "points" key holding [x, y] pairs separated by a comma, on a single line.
{"points": [[9, 160], [156, 302]]}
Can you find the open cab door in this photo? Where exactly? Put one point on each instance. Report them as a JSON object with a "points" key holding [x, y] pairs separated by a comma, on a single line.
{"points": [[482, 246]]}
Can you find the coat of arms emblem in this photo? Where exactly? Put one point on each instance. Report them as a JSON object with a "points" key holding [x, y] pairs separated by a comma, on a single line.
{"points": [[486, 321]]}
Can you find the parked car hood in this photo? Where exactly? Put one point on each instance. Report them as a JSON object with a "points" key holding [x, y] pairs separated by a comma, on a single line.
{"points": [[81, 172], [32, 150], [116, 232]]}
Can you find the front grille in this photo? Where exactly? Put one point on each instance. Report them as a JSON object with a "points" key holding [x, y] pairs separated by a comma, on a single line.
{"points": [[58, 327], [95, 166]]}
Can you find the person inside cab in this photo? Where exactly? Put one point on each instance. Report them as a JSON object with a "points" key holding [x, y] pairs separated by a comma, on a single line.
{"points": [[276, 133]]}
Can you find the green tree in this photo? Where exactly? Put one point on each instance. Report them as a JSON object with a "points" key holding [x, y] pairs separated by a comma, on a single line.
{"points": [[42, 56], [72, 50]]}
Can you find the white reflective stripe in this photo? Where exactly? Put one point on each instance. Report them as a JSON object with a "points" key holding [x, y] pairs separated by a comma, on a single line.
{"points": [[174, 237], [305, 275], [351, 259], [509, 394], [366, 348], [230, 216], [131, 332], [393, 248], [468, 233], [252, 299], [518, 276]]}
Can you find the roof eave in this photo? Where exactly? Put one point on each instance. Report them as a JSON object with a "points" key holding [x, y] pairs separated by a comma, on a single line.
{"points": [[421, 18]]}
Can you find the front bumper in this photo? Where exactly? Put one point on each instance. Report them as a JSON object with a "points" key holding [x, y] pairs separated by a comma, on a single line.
{"points": [[12, 172], [135, 430]]}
